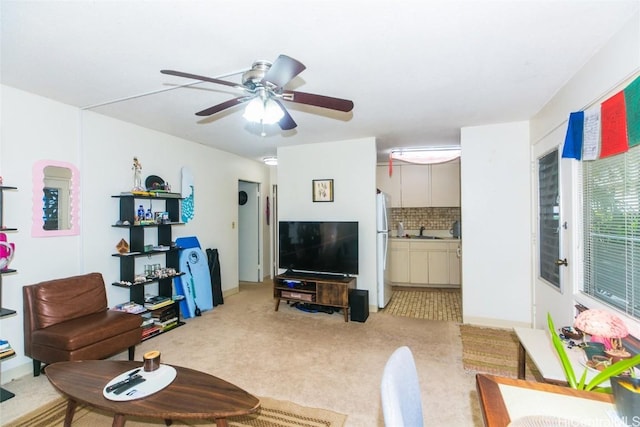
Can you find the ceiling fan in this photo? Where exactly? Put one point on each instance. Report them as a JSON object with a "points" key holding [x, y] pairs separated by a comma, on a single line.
{"points": [[264, 91]]}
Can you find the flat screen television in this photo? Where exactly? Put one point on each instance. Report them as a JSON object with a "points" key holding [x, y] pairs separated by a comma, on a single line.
{"points": [[319, 246]]}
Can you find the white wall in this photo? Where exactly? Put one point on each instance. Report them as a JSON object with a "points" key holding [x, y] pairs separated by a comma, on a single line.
{"points": [[609, 71], [35, 128], [496, 204], [352, 166]]}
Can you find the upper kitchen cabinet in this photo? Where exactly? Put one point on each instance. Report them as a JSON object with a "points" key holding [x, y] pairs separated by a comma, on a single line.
{"points": [[445, 184], [417, 186], [390, 184]]}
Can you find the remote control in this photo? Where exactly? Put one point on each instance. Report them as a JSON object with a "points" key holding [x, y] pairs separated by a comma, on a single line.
{"points": [[123, 382], [134, 381]]}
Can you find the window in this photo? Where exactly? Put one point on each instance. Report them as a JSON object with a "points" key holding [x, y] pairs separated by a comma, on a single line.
{"points": [[549, 218], [611, 221]]}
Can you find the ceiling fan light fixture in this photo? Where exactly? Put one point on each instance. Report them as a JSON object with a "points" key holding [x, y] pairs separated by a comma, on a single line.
{"points": [[271, 161], [272, 112], [254, 110], [265, 111]]}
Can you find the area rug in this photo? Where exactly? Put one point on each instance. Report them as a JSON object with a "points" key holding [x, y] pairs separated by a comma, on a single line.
{"points": [[272, 413], [426, 303], [493, 351]]}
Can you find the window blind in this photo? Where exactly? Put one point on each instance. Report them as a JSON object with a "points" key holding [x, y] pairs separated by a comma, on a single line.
{"points": [[549, 218], [611, 221]]}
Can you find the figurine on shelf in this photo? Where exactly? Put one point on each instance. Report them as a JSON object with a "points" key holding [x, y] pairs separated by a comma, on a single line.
{"points": [[137, 175]]}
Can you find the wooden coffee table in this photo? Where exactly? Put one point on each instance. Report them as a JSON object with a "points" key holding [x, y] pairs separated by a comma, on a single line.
{"points": [[191, 395]]}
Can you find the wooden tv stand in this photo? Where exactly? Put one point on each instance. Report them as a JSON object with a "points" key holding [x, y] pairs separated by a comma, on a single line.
{"points": [[320, 290]]}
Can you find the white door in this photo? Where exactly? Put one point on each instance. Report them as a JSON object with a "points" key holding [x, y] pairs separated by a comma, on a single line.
{"points": [[553, 230], [249, 264]]}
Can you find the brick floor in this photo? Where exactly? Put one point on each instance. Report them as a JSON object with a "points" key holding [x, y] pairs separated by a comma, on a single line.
{"points": [[426, 303]]}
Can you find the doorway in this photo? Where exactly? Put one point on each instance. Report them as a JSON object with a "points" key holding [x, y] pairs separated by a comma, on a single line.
{"points": [[249, 254], [275, 242], [552, 242]]}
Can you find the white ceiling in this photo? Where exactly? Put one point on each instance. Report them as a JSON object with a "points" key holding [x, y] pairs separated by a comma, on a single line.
{"points": [[417, 71]]}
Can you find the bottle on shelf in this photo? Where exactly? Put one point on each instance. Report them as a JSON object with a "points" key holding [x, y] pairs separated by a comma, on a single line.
{"points": [[140, 212]]}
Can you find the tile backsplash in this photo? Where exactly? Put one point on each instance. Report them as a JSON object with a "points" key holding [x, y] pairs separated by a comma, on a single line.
{"points": [[429, 218]]}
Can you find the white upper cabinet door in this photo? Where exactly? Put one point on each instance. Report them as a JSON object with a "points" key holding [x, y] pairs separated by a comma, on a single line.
{"points": [[445, 184], [390, 184], [416, 186]]}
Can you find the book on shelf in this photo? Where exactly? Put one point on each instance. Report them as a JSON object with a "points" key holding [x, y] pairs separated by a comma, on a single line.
{"points": [[5, 349], [150, 331], [157, 302], [170, 326], [163, 311], [153, 299], [6, 353], [147, 322], [165, 317], [130, 307], [159, 305], [166, 323]]}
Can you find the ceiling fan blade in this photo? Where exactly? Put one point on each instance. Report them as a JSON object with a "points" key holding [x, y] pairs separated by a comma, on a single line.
{"points": [[222, 106], [286, 122], [283, 70], [318, 100], [203, 78]]}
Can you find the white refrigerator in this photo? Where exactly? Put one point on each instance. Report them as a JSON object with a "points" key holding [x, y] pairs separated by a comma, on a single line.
{"points": [[383, 206]]}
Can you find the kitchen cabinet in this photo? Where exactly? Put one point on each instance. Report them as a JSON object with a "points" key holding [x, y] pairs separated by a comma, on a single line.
{"points": [[439, 266], [415, 186], [445, 184], [425, 262], [399, 261], [455, 264], [418, 264], [390, 184]]}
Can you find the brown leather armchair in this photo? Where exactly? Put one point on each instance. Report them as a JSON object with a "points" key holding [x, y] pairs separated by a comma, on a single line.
{"points": [[68, 319]]}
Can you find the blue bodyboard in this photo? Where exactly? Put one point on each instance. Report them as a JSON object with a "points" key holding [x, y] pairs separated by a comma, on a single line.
{"points": [[195, 283]]}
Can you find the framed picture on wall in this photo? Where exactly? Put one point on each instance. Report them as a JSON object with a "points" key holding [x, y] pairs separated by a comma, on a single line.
{"points": [[322, 190]]}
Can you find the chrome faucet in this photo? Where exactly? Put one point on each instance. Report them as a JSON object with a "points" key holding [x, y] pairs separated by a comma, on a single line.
{"points": [[421, 229]]}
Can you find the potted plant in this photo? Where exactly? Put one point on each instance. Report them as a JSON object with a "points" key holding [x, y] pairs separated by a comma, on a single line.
{"points": [[604, 375]]}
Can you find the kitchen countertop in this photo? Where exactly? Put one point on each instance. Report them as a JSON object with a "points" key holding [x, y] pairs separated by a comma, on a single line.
{"points": [[423, 239], [443, 235]]}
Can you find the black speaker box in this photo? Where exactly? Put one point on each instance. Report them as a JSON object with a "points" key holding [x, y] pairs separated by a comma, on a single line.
{"points": [[359, 304]]}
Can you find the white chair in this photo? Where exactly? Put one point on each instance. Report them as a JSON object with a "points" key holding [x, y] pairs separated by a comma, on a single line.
{"points": [[400, 391]]}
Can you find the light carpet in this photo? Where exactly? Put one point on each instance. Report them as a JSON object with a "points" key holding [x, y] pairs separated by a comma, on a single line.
{"points": [[272, 413], [313, 359], [493, 351]]}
